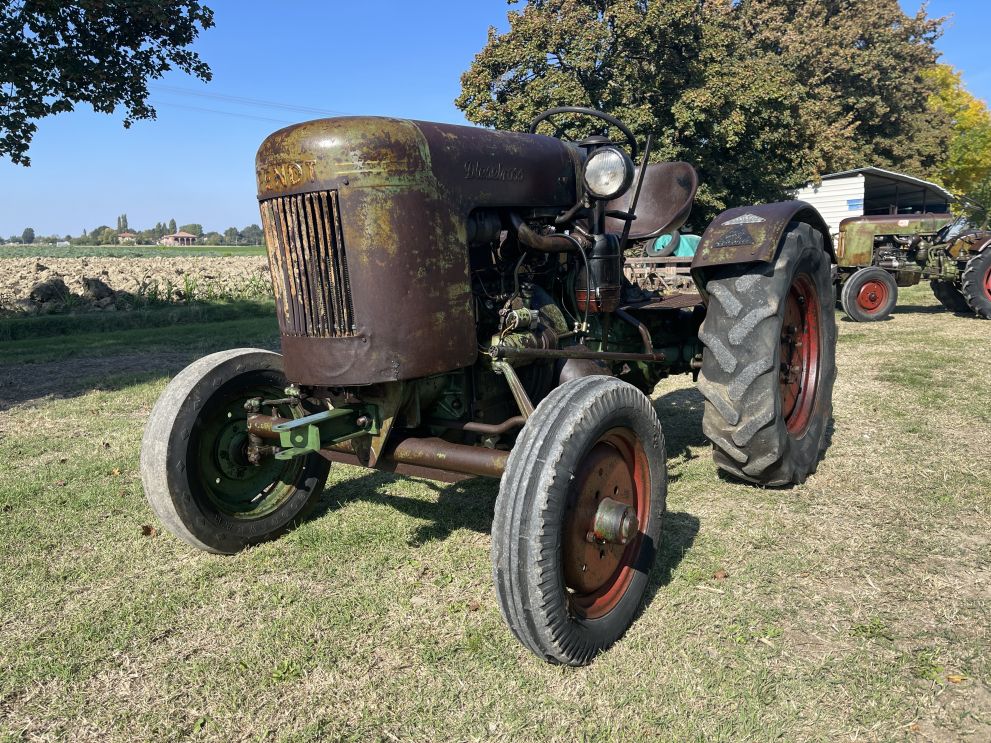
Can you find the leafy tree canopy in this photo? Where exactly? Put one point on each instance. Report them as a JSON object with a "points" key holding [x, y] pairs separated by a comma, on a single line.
{"points": [[27, 237], [969, 160], [760, 96], [55, 54]]}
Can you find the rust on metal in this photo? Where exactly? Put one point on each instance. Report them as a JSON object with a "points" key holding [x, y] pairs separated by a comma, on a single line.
{"points": [[399, 195], [437, 453], [261, 425], [748, 234], [856, 243], [574, 352], [487, 429]]}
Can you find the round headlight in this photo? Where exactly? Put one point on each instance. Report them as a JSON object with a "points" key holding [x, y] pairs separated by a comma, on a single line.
{"points": [[608, 173]]}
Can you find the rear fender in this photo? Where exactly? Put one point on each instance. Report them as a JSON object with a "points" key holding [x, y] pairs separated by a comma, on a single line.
{"points": [[752, 234]]}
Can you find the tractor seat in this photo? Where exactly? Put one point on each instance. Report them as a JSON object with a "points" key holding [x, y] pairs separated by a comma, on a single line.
{"points": [[666, 199]]}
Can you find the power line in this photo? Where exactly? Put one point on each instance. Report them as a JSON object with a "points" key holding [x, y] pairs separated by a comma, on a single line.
{"points": [[235, 114], [240, 100]]}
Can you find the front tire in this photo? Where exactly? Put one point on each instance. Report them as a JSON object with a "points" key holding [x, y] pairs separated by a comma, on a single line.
{"points": [[193, 465], [770, 362], [869, 295], [976, 283], [593, 446]]}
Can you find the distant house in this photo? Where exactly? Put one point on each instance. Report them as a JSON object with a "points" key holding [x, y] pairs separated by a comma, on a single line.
{"points": [[62, 244], [177, 239], [854, 193], [126, 238]]}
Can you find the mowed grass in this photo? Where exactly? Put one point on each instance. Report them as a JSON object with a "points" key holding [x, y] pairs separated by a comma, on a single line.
{"points": [[854, 607]]}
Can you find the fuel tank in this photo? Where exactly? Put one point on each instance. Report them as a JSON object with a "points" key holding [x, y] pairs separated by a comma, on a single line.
{"points": [[366, 223]]}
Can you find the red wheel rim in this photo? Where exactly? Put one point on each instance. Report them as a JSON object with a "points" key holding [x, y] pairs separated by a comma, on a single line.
{"points": [[800, 348], [872, 296], [597, 575], [987, 283]]}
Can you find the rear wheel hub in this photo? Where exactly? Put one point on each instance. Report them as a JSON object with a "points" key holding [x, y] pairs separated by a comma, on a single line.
{"points": [[800, 349]]}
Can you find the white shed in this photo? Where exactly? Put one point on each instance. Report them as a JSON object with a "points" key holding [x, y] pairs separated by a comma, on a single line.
{"points": [[854, 193]]}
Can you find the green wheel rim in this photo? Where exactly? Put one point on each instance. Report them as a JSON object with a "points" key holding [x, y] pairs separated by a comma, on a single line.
{"points": [[218, 455]]}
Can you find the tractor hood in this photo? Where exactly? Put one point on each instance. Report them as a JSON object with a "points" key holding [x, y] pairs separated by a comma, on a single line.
{"points": [[367, 223]]}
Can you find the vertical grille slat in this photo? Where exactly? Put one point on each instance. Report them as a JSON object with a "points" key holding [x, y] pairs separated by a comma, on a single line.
{"points": [[308, 265]]}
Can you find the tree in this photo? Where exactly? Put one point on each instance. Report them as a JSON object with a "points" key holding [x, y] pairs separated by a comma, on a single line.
{"points": [[106, 236], [172, 227], [122, 223], [252, 235], [760, 96], [231, 236], [864, 67], [968, 164], [27, 237], [193, 229], [56, 54]]}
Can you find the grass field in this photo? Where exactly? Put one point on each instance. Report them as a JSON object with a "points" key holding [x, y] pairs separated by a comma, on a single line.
{"points": [[856, 607], [127, 251]]}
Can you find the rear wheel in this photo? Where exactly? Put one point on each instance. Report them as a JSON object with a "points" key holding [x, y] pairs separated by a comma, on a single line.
{"points": [[770, 362], [950, 296], [976, 283], [869, 295], [194, 464], [578, 518]]}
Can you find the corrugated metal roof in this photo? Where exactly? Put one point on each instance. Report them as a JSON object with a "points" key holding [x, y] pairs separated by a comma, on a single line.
{"points": [[901, 177]]}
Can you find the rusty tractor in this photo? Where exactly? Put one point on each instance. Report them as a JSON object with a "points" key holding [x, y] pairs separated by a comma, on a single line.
{"points": [[878, 254], [452, 304]]}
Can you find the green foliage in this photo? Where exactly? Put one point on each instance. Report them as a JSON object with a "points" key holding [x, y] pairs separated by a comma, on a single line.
{"points": [[27, 237], [760, 96], [57, 54], [969, 159], [252, 235], [192, 229]]}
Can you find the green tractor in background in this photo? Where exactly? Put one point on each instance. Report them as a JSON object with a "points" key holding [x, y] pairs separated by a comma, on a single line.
{"points": [[878, 254]]}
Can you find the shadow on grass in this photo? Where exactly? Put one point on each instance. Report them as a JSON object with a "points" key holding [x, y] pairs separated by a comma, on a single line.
{"points": [[678, 534], [922, 309], [468, 504], [680, 412]]}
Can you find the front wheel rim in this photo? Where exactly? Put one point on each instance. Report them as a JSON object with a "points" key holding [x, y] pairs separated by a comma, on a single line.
{"points": [[218, 460], [597, 574], [801, 347], [987, 283], [872, 296]]}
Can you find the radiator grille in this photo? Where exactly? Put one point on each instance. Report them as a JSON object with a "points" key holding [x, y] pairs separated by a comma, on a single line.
{"points": [[308, 264]]}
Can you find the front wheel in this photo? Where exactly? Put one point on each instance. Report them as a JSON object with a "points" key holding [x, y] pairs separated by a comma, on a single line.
{"points": [[578, 518], [869, 295], [770, 362], [194, 464], [976, 283]]}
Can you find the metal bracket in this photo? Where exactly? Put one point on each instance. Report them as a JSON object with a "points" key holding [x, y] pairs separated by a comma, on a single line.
{"points": [[515, 386], [304, 436]]}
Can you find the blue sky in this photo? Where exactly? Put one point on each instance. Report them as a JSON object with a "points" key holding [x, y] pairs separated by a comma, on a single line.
{"points": [[196, 162]]}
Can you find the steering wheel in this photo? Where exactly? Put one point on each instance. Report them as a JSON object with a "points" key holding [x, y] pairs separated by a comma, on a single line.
{"points": [[630, 139]]}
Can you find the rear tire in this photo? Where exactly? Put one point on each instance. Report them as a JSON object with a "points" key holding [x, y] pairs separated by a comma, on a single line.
{"points": [[590, 440], [770, 362], [950, 296], [192, 462], [976, 283], [869, 295]]}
